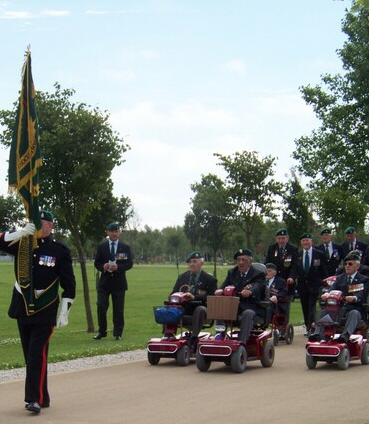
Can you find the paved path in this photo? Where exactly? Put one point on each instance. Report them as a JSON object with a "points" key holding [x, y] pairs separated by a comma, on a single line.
{"points": [[139, 393]]}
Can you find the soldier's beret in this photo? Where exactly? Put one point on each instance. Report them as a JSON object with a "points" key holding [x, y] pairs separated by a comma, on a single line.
{"points": [[242, 252], [47, 216], [350, 230], [113, 226], [281, 232], [271, 265], [306, 235], [194, 255], [326, 231], [354, 255]]}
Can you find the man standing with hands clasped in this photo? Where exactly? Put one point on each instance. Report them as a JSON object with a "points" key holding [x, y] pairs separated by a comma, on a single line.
{"points": [[113, 259]]}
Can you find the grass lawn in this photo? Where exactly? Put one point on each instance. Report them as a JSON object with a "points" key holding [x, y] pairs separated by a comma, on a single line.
{"points": [[148, 286]]}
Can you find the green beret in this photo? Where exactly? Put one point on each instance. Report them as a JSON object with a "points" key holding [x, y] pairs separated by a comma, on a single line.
{"points": [[306, 235], [281, 232], [326, 231], [194, 255], [47, 216], [350, 230], [113, 226], [241, 252], [354, 255], [271, 265]]}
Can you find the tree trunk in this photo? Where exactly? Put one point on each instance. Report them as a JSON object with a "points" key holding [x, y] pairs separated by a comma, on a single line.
{"points": [[215, 264], [86, 292]]}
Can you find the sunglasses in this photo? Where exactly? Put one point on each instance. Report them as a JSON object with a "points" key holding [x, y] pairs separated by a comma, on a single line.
{"points": [[349, 263]]}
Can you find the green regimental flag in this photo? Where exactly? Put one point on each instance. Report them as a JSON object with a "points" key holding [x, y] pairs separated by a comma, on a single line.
{"points": [[25, 156]]}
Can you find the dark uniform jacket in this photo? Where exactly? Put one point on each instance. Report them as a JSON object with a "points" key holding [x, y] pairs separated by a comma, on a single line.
{"points": [[279, 289], [52, 265], [205, 282], [359, 287], [311, 282], [360, 245], [335, 260], [253, 281], [113, 281], [285, 262]]}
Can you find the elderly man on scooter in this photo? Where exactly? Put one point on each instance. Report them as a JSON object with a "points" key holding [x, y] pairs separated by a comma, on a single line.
{"points": [[250, 283], [354, 287]]}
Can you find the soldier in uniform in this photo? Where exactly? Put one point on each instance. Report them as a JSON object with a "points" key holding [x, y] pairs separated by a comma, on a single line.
{"points": [[354, 287], [333, 251], [352, 243], [278, 289], [310, 273], [36, 311], [284, 255], [250, 283], [201, 284], [113, 259]]}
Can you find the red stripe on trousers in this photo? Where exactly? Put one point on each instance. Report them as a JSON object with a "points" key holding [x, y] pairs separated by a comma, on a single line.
{"points": [[43, 369]]}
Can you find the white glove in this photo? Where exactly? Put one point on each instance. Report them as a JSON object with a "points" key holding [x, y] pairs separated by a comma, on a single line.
{"points": [[28, 230], [65, 305]]}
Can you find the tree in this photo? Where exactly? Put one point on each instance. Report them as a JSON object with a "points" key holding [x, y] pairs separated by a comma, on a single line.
{"points": [[191, 229], [211, 209], [79, 151], [296, 211], [251, 188], [175, 242], [11, 212], [335, 156]]}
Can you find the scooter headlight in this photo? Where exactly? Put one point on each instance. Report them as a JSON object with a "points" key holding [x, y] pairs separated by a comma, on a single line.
{"points": [[332, 302]]}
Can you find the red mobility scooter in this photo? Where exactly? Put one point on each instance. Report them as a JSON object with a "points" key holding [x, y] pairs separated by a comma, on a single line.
{"points": [[329, 349], [172, 317], [226, 347], [281, 328]]}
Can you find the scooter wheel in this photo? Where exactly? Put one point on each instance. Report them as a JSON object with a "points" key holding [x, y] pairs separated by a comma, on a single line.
{"points": [[268, 354], [202, 362], [311, 362], [343, 359], [153, 358], [239, 360], [275, 337], [183, 356], [365, 354], [289, 334]]}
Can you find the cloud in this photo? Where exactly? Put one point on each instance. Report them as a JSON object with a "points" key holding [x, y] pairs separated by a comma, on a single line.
{"points": [[236, 66], [10, 14], [122, 76], [55, 13]]}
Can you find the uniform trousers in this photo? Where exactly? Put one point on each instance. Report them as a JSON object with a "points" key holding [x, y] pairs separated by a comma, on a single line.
{"points": [[35, 343], [246, 319], [198, 320], [117, 297], [352, 320], [308, 304]]}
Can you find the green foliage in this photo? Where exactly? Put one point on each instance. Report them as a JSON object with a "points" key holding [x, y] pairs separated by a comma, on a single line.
{"points": [[335, 156], [251, 188], [11, 212]]}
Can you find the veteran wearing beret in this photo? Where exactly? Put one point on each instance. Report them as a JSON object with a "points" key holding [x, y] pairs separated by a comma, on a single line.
{"points": [[284, 255], [36, 311], [333, 251], [250, 283], [310, 272], [354, 287], [352, 243], [201, 284], [113, 259]]}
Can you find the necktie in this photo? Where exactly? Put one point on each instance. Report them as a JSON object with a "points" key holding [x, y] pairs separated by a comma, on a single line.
{"points": [[349, 280], [280, 251], [307, 263], [351, 247], [327, 251], [193, 283], [112, 249]]}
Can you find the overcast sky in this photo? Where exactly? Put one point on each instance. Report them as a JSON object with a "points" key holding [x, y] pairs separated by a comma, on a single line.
{"points": [[182, 79]]}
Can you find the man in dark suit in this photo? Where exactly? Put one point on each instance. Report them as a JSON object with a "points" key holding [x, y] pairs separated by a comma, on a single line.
{"points": [[200, 284], [310, 272], [354, 287], [284, 255], [278, 289], [37, 315], [352, 243], [250, 283], [113, 259], [333, 251]]}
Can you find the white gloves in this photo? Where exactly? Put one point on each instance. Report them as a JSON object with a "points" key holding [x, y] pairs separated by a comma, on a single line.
{"points": [[28, 230], [65, 305]]}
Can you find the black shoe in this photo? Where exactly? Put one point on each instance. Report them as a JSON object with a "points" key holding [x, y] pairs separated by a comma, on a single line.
{"points": [[192, 342], [33, 407], [343, 338], [315, 338], [99, 336], [117, 337], [44, 405]]}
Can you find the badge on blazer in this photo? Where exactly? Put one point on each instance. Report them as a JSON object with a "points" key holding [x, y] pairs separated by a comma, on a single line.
{"points": [[47, 260], [355, 287], [120, 256], [316, 262], [336, 255], [287, 261]]}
